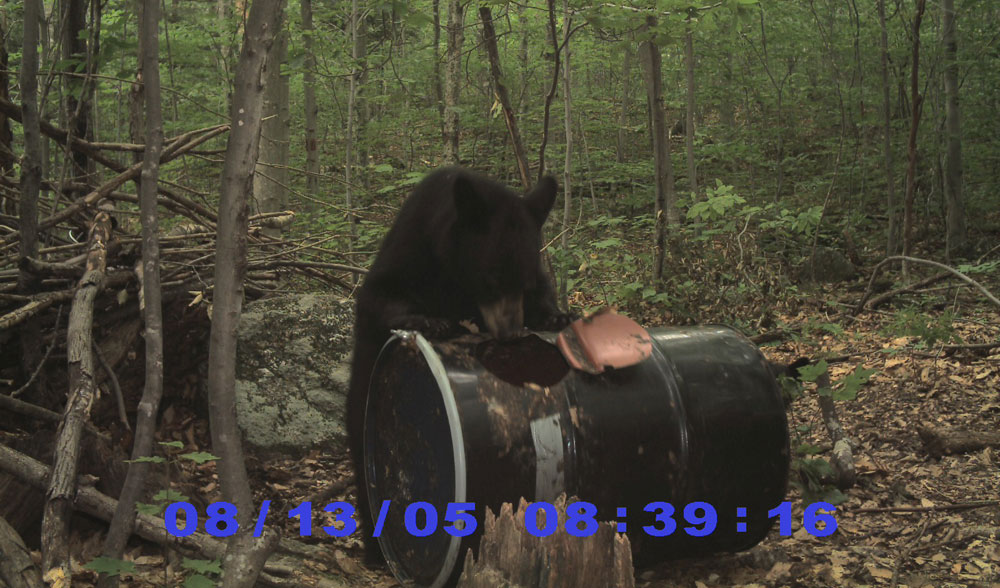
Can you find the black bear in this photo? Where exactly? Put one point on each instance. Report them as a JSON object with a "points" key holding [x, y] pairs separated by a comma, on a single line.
{"points": [[463, 247]]}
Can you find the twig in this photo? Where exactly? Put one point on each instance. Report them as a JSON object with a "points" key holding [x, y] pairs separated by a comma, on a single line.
{"points": [[114, 384], [41, 364]]}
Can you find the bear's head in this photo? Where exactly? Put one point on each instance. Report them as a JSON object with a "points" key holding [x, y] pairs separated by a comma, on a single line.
{"points": [[496, 241]]}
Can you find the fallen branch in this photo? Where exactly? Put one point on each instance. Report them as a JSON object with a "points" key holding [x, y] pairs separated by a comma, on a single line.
{"points": [[82, 392], [878, 268]]}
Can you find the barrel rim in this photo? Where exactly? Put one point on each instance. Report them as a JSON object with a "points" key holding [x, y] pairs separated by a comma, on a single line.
{"points": [[440, 375]]}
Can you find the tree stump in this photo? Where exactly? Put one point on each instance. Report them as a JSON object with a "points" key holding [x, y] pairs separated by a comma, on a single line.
{"points": [[511, 557]]}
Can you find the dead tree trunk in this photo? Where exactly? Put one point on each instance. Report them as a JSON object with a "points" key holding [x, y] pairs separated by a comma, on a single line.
{"points": [[552, 87], [82, 391], [245, 556], [490, 40]]}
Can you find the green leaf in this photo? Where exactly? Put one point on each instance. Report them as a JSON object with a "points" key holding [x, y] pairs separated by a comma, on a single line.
{"points": [[852, 383], [152, 510], [170, 496], [198, 581], [111, 567], [174, 444], [203, 566], [199, 457], [809, 373], [150, 459]]}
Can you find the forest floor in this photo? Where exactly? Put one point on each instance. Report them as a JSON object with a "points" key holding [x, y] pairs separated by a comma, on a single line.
{"points": [[931, 542], [927, 541]]}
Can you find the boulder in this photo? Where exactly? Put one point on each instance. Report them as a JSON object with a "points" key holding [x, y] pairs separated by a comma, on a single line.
{"points": [[292, 371]]}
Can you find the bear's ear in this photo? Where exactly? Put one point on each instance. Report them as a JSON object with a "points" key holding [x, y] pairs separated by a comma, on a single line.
{"points": [[541, 198], [472, 206]]}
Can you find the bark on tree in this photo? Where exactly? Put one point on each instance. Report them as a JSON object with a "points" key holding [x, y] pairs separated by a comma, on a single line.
{"points": [[82, 392], [438, 91], [509, 116], [689, 125], [726, 109], [123, 522], [31, 179], [957, 233], [352, 114], [916, 105], [76, 104], [892, 238], [665, 209], [270, 182], [568, 167], [6, 136], [452, 81], [311, 110], [556, 62], [244, 556], [629, 57], [17, 569]]}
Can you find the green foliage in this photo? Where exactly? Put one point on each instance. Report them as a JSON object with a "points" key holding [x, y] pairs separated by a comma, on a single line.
{"points": [[913, 322], [812, 475], [720, 202]]}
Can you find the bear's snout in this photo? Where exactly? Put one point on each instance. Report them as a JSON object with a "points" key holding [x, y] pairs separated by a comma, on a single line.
{"points": [[504, 317]]}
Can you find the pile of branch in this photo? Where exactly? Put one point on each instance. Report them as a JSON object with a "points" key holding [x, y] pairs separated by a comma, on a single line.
{"points": [[188, 250]]}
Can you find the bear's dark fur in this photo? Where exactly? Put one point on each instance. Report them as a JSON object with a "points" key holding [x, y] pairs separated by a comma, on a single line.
{"points": [[462, 247]]}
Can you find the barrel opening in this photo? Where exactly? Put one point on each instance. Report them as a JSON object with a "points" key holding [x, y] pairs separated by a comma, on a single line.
{"points": [[523, 360]]}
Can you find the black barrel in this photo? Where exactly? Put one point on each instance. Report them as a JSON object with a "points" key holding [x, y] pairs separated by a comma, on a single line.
{"points": [[482, 421]]}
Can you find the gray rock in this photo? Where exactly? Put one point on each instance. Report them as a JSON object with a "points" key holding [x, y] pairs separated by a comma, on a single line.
{"points": [[830, 266], [292, 371]]}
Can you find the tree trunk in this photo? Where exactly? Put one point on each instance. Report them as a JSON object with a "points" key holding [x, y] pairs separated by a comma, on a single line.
{"points": [[150, 298], [436, 82], [76, 104], [626, 99], [568, 167], [6, 136], [270, 192], [957, 235], [311, 110], [665, 210], [452, 82], [31, 180], [352, 115], [892, 239], [263, 23], [490, 40], [726, 109], [916, 106], [556, 61], [689, 130]]}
